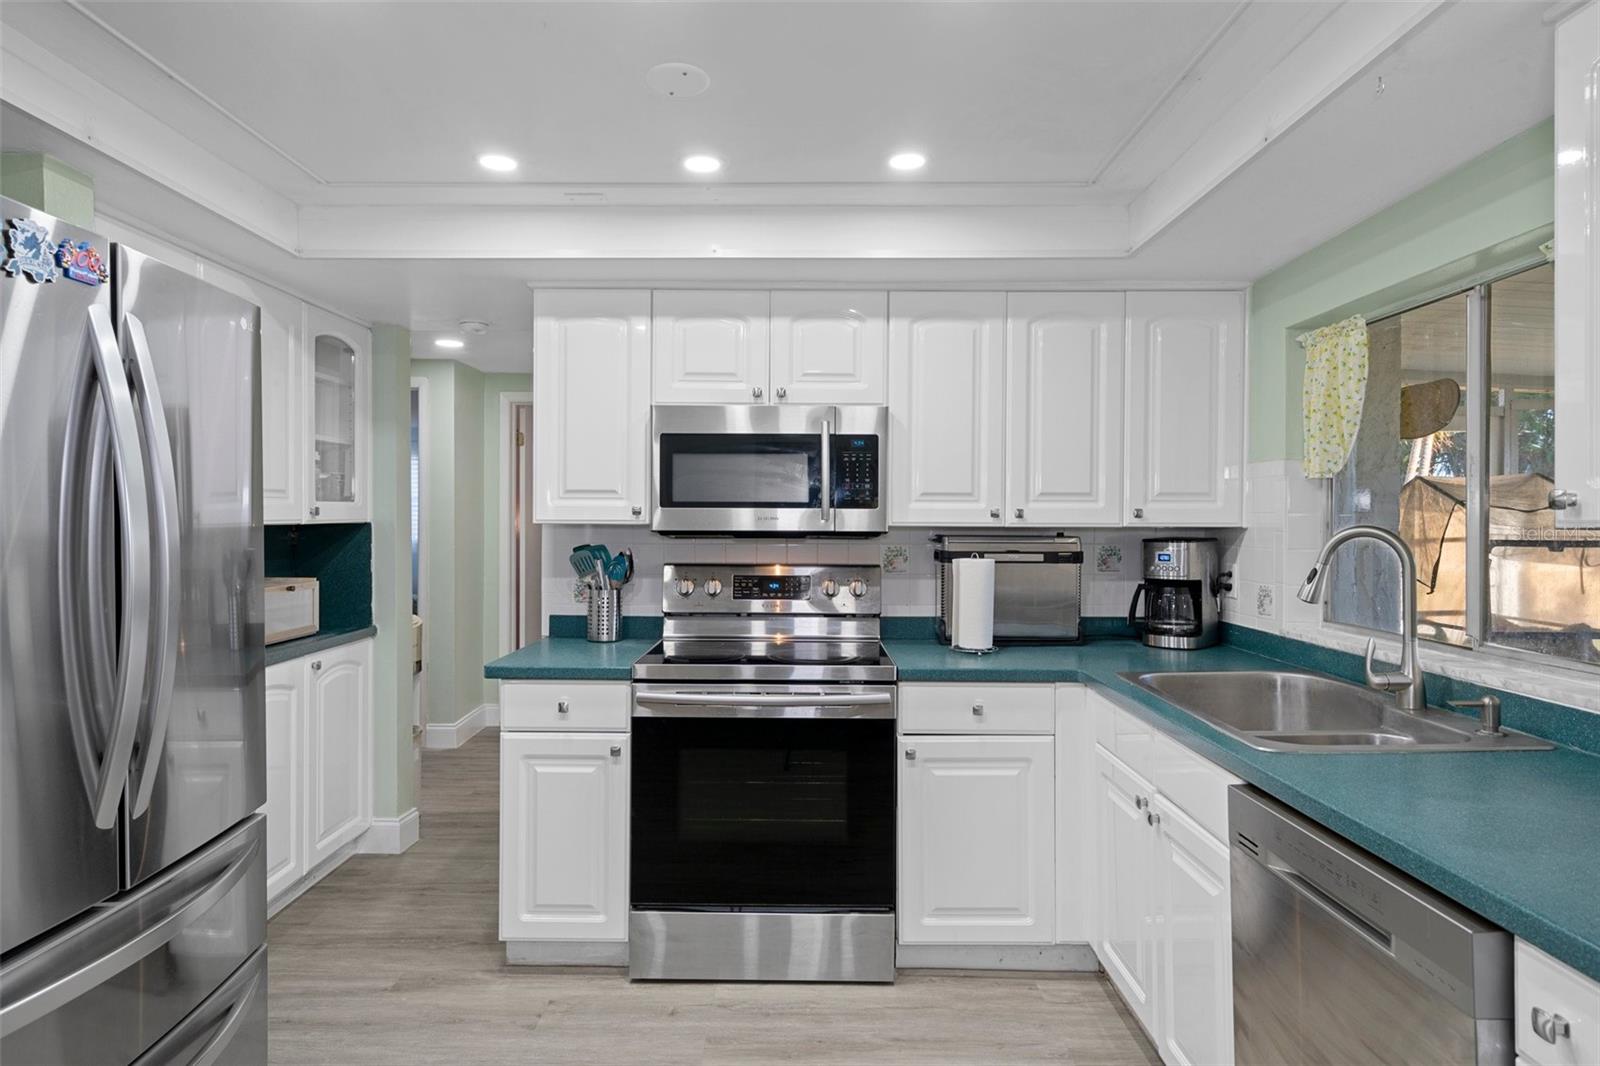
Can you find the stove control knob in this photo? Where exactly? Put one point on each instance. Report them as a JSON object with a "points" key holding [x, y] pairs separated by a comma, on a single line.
{"points": [[830, 587], [858, 588], [685, 586], [713, 586]]}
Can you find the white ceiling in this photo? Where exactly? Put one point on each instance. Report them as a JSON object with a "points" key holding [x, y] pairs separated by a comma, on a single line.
{"points": [[330, 147]]}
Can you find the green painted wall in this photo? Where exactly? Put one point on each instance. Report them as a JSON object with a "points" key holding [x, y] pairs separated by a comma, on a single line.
{"points": [[395, 766], [1490, 213], [495, 536], [48, 184]]}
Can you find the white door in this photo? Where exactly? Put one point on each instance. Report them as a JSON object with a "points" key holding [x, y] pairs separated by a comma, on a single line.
{"points": [[1577, 285], [946, 408], [1185, 424], [1125, 856], [285, 480], [286, 725], [339, 362], [591, 396], [977, 840], [1064, 358], [710, 347], [563, 836], [830, 347], [338, 800], [1195, 1004]]}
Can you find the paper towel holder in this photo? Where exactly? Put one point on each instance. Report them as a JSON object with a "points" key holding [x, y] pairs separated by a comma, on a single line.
{"points": [[975, 651]]}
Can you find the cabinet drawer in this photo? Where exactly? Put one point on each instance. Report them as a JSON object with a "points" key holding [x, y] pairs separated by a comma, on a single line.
{"points": [[977, 709], [1552, 989], [592, 706], [1195, 786]]}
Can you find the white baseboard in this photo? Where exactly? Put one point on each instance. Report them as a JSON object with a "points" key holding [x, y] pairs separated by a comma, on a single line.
{"points": [[567, 952], [391, 836], [321, 870], [454, 734]]}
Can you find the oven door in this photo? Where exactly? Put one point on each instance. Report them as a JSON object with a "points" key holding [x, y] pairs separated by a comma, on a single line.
{"points": [[742, 469], [763, 798]]}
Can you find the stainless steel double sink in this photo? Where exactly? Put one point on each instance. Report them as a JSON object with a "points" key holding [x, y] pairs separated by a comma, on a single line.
{"points": [[1287, 710]]}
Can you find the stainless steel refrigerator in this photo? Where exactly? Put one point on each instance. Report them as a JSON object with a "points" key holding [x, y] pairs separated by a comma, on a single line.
{"points": [[132, 731]]}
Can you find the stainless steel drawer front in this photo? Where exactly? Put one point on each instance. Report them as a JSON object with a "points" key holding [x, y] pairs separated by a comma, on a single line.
{"points": [[751, 946], [1338, 957]]}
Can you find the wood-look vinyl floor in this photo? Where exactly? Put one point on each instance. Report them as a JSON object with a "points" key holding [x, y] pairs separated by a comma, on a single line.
{"points": [[394, 959]]}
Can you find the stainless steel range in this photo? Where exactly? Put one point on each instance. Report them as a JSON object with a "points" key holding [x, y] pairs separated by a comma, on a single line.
{"points": [[763, 791]]}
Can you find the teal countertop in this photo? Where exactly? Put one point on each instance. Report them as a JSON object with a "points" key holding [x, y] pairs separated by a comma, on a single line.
{"points": [[321, 640], [1512, 835], [571, 658]]}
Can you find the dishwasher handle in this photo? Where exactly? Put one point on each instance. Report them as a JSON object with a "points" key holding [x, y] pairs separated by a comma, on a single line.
{"points": [[1372, 934]]}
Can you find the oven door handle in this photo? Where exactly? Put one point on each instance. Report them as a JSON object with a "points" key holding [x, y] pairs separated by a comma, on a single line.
{"points": [[763, 705]]}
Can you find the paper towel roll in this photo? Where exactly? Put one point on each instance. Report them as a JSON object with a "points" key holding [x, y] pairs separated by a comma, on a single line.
{"points": [[972, 604]]}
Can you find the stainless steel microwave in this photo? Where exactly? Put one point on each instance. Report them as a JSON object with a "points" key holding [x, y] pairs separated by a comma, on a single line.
{"points": [[775, 469]]}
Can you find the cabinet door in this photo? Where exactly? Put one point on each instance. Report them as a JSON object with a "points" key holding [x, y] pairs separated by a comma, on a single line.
{"points": [[1577, 284], [946, 408], [338, 804], [286, 730], [1064, 358], [564, 836], [830, 347], [284, 384], [340, 367], [1125, 853], [591, 394], [710, 347], [1185, 424], [977, 840], [1195, 1004]]}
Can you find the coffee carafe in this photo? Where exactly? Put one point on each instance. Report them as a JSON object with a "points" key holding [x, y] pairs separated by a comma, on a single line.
{"points": [[1180, 589]]}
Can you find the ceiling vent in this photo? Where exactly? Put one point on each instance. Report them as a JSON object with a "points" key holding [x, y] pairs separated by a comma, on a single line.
{"points": [[472, 327]]}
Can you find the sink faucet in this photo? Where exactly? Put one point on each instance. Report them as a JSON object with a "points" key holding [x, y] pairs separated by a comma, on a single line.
{"points": [[1406, 681]]}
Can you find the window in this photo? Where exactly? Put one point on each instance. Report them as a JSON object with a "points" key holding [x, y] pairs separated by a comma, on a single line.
{"points": [[1492, 566]]}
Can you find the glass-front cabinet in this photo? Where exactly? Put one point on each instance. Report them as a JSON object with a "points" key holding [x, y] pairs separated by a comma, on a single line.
{"points": [[340, 377]]}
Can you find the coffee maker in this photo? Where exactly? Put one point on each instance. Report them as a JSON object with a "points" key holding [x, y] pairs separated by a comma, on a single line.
{"points": [[1181, 587]]}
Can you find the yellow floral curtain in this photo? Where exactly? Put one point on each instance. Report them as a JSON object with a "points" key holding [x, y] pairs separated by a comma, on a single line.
{"points": [[1335, 389]]}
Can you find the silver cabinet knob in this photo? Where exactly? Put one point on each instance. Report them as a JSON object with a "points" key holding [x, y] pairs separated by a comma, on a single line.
{"points": [[637, 511], [756, 392], [561, 707], [1550, 1027], [911, 754], [994, 512], [782, 392], [977, 709], [1140, 803], [1019, 512], [616, 751], [1152, 818], [1138, 512], [1561, 499], [315, 511], [713, 587], [316, 664]]}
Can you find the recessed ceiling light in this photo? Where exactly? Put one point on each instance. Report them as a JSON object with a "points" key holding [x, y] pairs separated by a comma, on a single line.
{"points": [[450, 343], [908, 161], [500, 164], [702, 164]]}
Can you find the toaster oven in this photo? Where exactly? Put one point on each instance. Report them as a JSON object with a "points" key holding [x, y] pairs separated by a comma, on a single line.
{"points": [[1038, 584]]}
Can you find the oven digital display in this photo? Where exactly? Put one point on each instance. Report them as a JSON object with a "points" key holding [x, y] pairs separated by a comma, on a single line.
{"points": [[771, 586]]}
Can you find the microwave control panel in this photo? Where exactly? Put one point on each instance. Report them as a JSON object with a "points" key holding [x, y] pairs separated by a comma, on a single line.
{"points": [[855, 470]]}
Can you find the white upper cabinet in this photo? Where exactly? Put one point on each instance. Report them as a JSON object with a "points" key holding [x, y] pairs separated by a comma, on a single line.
{"points": [[946, 408], [340, 367], [829, 347], [977, 840], [1064, 360], [710, 347], [1185, 425], [591, 374], [1577, 284]]}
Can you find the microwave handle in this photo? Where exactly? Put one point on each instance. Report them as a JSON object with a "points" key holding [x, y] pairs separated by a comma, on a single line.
{"points": [[827, 470], [1133, 605]]}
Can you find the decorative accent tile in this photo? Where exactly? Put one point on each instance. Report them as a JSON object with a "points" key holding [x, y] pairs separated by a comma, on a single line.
{"points": [[1265, 605], [896, 559], [1108, 559]]}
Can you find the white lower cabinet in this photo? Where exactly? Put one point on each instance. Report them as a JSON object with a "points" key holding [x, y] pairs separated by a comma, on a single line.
{"points": [[1194, 1004], [564, 821], [319, 758], [1125, 854], [1557, 1011], [977, 840]]}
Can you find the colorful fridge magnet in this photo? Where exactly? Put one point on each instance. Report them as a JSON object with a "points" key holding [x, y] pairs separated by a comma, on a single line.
{"points": [[82, 262], [29, 252]]}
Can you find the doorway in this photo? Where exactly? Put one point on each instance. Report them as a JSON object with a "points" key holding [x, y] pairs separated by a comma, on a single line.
{"points": [[418, 447], [520, 571]]}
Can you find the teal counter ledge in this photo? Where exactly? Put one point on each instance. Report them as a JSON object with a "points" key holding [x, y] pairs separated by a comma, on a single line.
{"points": [[1512, 835], [569, 658]]}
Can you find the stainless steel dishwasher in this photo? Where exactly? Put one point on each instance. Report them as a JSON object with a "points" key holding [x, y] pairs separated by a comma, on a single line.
{"points": [[1341, 958]]}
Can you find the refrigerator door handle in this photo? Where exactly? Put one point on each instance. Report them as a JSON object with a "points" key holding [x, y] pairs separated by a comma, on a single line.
{"points": [[234, 995], [118, 421], [35, 985], [166, 560]]}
